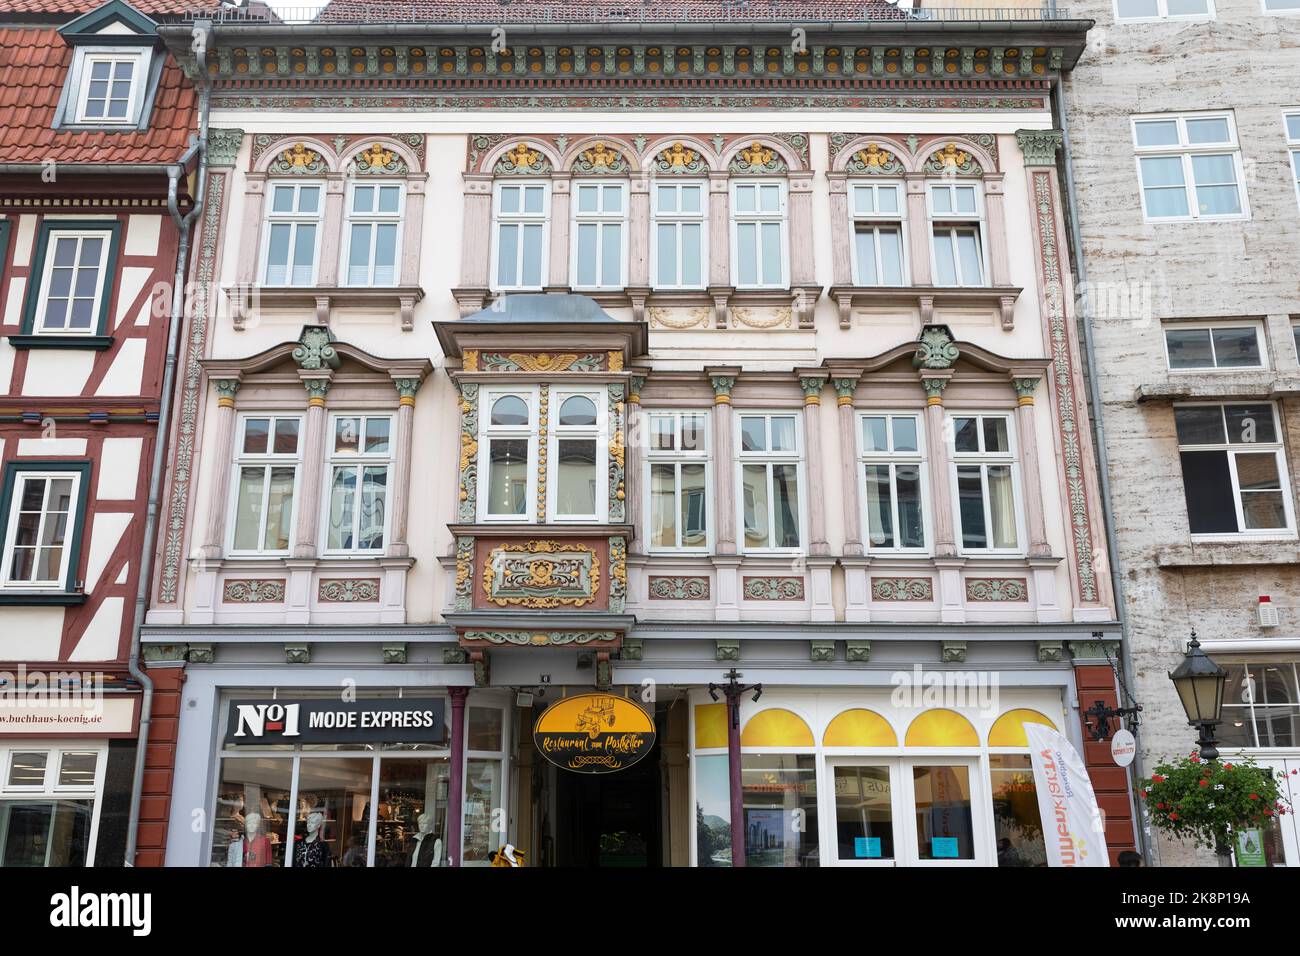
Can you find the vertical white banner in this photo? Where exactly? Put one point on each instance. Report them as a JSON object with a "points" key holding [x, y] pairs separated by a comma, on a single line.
{"points": [[1072, 824]]}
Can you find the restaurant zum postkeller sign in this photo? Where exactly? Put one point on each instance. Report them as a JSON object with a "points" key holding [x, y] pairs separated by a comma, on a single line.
{"points": [[594, 733]]}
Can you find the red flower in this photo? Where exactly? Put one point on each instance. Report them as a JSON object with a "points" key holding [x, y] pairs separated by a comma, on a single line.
{"points": [[1227, 766], [1254, 796], [1173, 816], [1160, 806], [1204, 782], [1156, 778]]}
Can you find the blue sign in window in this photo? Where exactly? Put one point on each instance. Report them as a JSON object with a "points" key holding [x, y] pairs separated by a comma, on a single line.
{"points": [[943, 848], [868, 847]]}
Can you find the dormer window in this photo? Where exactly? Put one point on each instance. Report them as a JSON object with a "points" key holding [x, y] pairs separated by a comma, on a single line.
{"points": [[109, 89]]}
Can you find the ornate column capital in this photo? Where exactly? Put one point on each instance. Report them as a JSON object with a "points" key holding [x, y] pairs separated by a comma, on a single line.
{"points": [[635, 384], [226, 388], [223, 146], [1025, 385], [934, 382], [1039, 146], [722, 386], [812, 385], [317, 386], [844, 387], [406, 387]]}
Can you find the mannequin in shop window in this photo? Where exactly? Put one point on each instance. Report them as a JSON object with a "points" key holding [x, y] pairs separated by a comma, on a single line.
{"points": [[253, 848], [311, 850], [428, 848]]}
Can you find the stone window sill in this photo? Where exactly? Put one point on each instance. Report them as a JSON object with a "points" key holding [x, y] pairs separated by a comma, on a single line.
{"points": [[926, 299]]}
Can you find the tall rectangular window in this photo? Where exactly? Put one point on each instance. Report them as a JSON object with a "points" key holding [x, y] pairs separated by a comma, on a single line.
{"points": [[1214, 345], [41, 526], [770, 463], [680, 246], [877, 213], [1234, 472], [109, 90], [373, 234], [359, 463], [577, 454], [957, 233], [599, 234], [893, 492], [760, 259], [677, 460], [519, 235], [1189, 166], [267, 457], [506, 448], [1292, 121], [984, 468], [74, 282], [292, 233], [1163, 9]]}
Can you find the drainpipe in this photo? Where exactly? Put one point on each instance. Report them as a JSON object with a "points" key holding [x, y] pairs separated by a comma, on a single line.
{"points": [[183, 227], [1145, 846]]}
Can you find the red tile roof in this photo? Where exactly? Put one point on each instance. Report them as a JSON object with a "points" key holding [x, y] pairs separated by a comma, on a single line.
{"points": [[74, 8], [33, 66], [599, 11]]}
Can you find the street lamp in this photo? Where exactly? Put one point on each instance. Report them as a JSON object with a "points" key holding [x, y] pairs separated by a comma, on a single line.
{"points": [[1199, 682]]}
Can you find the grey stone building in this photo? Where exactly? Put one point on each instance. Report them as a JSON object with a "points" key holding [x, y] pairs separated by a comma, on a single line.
{"points": [[1183, 121]]}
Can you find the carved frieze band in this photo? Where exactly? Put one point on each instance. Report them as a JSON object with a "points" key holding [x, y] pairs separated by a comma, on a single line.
{"points": [[902, 589], [540, 638], [542, 574], [252, 591], [347, 590], [986, 590], [773, 589], [684, 588]]}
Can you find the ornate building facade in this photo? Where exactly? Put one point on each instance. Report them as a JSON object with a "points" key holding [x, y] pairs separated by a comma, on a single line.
{"points": [[613, 356]]}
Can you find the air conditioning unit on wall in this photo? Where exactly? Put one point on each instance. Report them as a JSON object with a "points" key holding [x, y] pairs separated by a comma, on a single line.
{"points": [[1267, 612]]}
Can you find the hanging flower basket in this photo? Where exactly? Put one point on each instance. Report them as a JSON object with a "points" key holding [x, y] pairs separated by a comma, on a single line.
{"points": [[1209, 801]]}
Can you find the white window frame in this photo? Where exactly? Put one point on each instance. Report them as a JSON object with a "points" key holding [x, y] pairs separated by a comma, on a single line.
{"points": [[487, 431], [268, 461], [1166, 328], [1163, 14], [599, 433], [1185, 151], [59, 583], [676, 457], [101, 285], [953, 221], [295, 220], [893, 459], [782, 217], [1293, 144], [50, 789], [876, 221], [141, 61], [1278, 13], [1232, 449], [374, 220], [984, 459], [601, 220], [677, 220], [357, 461], [770, 458], [520, 218]]}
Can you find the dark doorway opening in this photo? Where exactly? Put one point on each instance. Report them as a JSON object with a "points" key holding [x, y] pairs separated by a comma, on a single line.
{"points": [[609, 819]]}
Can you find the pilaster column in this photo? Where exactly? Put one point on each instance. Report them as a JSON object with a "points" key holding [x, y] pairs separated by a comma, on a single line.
{"points": [[812, 385], [719, 230], [476, 231], [251, 229], [638, 267], [802, 272], [215, 535], [844, 386], [918, 230], [934, 381], [456, 775], [401, 488], [841, 253], [1025, 383], [413, 229], [999, 258], [636, 441], [327, 272], [317, 384], [559, 239], [723, 381]]}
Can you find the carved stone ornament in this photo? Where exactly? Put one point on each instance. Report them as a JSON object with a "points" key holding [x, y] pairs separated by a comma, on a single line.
{"points": [[600, 158], [664, 588], [902, 589], [542, 362], [315, 349], [541, 574], [873, 160], [522, 160], [757, 158], [951, 161], [298, 158], [936, 348], [773, 589], [678, 158], [253, 591], [378, 158]]}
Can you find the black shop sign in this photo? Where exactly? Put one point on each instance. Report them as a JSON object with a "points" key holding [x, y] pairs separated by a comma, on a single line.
{"points": [[409, 720]]}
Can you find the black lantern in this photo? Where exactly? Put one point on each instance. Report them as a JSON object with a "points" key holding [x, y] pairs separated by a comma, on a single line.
{"points": [[1199, 682]]}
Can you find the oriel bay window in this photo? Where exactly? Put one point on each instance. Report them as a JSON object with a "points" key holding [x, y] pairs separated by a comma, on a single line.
{"points": [[519, 235], [893, 491], [599, 235], [374, 226], [877, 210], [1234, 472], [267, 457], [769, 462], [680, 245], [359, 461], [577, 472], [760, 257], [677, 459], [507, 455], [984, 466], [292, 233], [956, 222]]}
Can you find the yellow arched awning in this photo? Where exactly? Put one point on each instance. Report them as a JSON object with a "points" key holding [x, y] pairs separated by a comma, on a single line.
{"points": [[776, 728], [1009, 729], [941, 728], [710, 726], [859, 728]]}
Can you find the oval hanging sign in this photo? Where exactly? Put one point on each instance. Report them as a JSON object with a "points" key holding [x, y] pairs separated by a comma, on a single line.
{"points": [[594, 733], [1123, 747]]}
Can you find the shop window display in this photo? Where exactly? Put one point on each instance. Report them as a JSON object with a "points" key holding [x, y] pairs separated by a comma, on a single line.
{"points": [[1016, 819], [864, 813], [333, 823], [943, 813], [411, 829], [251, 825]]}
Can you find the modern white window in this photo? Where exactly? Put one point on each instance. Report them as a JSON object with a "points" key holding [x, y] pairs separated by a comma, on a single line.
{"points": [[41, 526], [49, 803], [293, 226], [984, 469], [677, 460], [73, 282], [1281, 6], [1214, 345], [770, 467], [520, 215], [1189, 166], [679, 252], [577, 472], [957, 233], [1136, 10], [267, 459], [110, 88], [1234, 472], [360, 460], [878, 238], [373, 246], [599, 235], [1261, 703], [508, 455], [759, 245], [892, 471], [1292, 121]]}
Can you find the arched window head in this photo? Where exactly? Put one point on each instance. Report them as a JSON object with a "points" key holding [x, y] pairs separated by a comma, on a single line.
{"points": [[509, 410], [577, 410]]}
